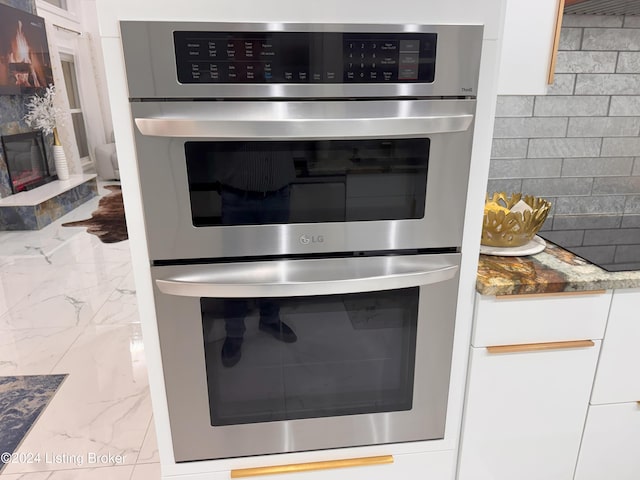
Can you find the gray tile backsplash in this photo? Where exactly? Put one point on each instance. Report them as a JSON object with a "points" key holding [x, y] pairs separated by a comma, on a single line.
{"points": [[570, 39], [625, 106], [564, 147], [515, 106], [563, 84], [579, 145], [601, 21], [595, 167], [613, 39], [603, 127], [565, 105], [628, 62], [586, 62]]}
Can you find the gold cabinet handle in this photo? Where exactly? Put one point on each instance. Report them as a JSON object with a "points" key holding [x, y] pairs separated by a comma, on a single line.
{"points": [[306, 467], [535, 347], [550, 294], [556, 43]]}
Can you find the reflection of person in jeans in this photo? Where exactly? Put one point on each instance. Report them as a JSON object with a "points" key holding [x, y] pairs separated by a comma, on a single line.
{"points": [[254, 191]]}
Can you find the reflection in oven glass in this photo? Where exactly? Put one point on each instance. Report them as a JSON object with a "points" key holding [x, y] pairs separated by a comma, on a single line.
{"points": [[273, 359], [306, 181]]}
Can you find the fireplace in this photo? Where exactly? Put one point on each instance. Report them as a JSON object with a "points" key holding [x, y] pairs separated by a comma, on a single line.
{"points": [[26, 161]]}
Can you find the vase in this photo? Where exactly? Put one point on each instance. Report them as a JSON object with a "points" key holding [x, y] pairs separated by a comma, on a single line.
{"points": [[60, 161]]}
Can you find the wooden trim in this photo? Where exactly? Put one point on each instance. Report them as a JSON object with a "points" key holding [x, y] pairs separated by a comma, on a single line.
{"points": [[551, 294], [556, 43], [306, 467], [536, 347]]}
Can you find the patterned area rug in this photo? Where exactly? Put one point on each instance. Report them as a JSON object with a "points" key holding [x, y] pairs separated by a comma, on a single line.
{"points": [[107, 222], [22, 400]]}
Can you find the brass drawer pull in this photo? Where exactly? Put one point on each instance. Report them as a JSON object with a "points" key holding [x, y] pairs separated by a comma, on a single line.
{"points": [[551, 294], [306, 467], [534, 347]]}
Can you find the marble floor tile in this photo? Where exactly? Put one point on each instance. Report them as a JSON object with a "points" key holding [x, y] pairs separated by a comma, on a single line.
{"points": [[150, 471], [67, 296], [122, 472], [102, 408], [149, 450], [67, 305], [34, 351], [121, 307]]}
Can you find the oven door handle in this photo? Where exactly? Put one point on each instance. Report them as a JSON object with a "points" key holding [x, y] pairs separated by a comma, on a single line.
{"points": [[304, 120], [296, 278], [303, 129]]}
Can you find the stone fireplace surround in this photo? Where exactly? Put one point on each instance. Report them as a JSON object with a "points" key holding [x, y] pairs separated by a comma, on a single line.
{"points": [[37, 208]]}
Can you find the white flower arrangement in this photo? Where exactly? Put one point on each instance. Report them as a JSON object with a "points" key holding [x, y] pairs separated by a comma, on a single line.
{"points": [[43, 114]]}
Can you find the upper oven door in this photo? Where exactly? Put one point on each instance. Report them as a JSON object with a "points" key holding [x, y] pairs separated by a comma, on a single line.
{"points": [[231, 179]]}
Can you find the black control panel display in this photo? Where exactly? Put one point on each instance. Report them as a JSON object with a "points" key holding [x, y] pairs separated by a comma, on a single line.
{"points": [[310, 57]]}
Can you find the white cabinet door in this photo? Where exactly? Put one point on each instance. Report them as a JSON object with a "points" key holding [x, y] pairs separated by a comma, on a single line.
{"points": [[611, 444], [529, 31], [618, 376], [524, 413]]}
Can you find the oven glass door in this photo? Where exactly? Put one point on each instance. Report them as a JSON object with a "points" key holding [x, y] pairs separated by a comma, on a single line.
{"points": [[240, 183], [231, 179], [273, 359], [295, 355]]}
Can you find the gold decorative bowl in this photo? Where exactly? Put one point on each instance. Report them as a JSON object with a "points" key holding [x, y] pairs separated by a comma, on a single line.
{"points": [[502, 228]]}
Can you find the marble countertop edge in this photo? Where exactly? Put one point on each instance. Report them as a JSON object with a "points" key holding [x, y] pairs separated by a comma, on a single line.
{"points": [[554, 270]]}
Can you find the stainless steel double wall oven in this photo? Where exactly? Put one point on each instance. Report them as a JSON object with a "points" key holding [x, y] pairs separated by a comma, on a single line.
{"points": [[303, 191]]}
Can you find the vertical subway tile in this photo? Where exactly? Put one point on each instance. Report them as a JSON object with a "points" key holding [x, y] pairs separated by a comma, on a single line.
{"points": [[514, 106]]}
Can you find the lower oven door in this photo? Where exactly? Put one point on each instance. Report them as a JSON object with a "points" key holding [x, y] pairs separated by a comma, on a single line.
{"points": [[294, 355], [330, 353]]}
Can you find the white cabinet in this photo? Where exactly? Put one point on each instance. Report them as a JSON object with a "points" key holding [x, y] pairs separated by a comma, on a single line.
{"points": [[618, 376], [528, 39], [531, 371], [611, 444], [525, 412]]}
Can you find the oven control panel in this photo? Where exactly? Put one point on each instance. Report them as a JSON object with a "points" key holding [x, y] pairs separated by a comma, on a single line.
{"points": [[304, 57]]}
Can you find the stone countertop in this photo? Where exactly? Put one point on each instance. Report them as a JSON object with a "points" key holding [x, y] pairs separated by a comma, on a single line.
{"points": [[551, 271]]}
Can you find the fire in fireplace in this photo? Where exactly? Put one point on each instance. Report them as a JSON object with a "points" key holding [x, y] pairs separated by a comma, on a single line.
{"points": [[25, 64], [26, 161]]}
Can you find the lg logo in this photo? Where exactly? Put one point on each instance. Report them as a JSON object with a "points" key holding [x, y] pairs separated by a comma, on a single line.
{"points": [[307, 239]]}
